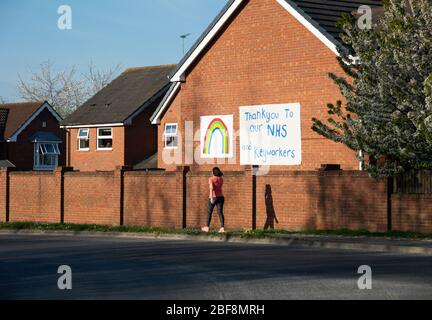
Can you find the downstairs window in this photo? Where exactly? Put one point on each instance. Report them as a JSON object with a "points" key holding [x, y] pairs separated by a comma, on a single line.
{"points": [[171, 136], [46, 156]]}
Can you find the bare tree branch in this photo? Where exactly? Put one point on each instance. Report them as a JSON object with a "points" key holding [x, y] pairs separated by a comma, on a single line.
{"points": [[97, 79], [64, 89]]}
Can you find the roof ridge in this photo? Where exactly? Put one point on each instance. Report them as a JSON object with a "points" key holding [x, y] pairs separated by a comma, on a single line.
{"points": [[149, 67], [126, 94], [22, 103]]}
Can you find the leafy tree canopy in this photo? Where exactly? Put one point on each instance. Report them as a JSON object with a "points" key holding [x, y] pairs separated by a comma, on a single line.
{"points": [[387, 110]]}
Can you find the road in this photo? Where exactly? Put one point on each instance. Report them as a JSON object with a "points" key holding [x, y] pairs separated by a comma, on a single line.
{"points": [[107, 268]]}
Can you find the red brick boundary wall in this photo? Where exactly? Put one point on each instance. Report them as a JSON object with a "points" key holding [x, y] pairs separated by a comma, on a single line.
{"points": [[92, 198], [34, 196], [4, 194], [321, 200], [280, 200], [238, 199], [153, 199], [412, 212]]}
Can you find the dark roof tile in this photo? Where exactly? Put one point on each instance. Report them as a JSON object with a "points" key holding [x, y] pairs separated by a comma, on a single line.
{"points": [[6, 164], [327, 12], [122, 97], [149, 163]]}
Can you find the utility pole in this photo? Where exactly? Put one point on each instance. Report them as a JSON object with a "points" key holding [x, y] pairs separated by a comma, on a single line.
{"points": [[184, 36]]}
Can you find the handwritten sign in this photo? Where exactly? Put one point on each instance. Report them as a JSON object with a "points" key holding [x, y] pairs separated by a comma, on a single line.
{"points": [[270, 135]]}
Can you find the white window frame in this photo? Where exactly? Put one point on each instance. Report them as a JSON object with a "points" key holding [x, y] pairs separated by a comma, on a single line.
{"points": [[83, 138], [103, 138], [171, 135], [40, 146]]}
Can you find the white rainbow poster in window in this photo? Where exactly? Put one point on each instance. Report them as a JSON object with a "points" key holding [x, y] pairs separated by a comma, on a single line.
{"points": [[217, 136]]}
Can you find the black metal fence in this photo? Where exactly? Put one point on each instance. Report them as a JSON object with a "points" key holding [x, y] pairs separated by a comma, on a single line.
{"points": [[414, 182]]}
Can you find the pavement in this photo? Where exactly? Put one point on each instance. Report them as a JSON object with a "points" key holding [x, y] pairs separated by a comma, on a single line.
{"points": [[121, 267]]}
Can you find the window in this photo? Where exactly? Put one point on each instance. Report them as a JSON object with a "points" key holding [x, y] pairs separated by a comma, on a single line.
{"points": [[171, 136], [83, 140], [105, 140], [46, 156]]}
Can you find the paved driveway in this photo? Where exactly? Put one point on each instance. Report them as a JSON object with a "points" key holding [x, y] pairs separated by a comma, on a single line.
{"points": [[105, 268]]}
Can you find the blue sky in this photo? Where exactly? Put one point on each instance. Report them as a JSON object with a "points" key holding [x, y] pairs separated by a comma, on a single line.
{"points": [[107, 32]]}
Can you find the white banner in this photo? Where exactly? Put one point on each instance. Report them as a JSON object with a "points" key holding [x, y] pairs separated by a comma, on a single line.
{"points": [[270, 135]]}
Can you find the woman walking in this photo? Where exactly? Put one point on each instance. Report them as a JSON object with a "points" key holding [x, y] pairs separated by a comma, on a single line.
{"points": [[216, 199]]}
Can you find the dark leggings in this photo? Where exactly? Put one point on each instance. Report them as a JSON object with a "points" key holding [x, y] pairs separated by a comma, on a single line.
{"points": [[219, 204]]}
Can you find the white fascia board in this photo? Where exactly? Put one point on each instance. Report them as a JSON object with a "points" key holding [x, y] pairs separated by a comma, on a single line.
{"points": [[168, 101], [83, 126], [44, 106], [179, 75], [315, 31]]}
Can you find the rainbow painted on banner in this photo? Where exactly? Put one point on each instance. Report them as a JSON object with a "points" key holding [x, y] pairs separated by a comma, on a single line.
{"points": [[217, 125]]}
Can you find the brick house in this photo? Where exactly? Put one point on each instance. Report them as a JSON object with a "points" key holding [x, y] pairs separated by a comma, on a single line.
{"points": [[30, 136], [113, 129], [258, 52]]}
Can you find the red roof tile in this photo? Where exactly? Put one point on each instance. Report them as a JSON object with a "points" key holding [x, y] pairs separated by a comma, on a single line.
{"points": [[17, 115]]}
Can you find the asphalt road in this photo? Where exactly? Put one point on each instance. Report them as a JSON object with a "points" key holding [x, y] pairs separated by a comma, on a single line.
{"points": [[104, 268]]}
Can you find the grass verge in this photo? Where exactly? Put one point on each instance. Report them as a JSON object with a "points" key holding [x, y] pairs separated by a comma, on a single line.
{"points": [[247, 234]]}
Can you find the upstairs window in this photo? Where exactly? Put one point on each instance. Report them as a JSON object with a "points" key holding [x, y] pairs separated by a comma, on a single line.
{"points": [[171, 136], [105, 139], [83, 139], [46, 156]]}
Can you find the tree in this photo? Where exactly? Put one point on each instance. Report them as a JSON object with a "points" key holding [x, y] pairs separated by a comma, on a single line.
{"points": [[388, 92], [64, 89], [2, 100], [98, 79]]}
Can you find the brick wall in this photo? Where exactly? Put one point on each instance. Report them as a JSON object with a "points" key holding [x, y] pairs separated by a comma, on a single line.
{"points": [[35, 196], [169, 158], [92, 197], [351, 200], [263, 56], [283, 200], [4, 173], [238, 199], [93, 159], [321, 200], [153, 199], [412, 212], [131, 145], [141, 137]]}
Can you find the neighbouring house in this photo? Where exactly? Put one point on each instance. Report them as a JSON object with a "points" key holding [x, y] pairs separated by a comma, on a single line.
{"points": [[113, 128], [30, 136], [259, 69]]}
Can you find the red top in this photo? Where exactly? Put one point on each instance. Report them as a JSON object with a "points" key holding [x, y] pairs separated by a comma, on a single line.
{"points": [[217, 183]]}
